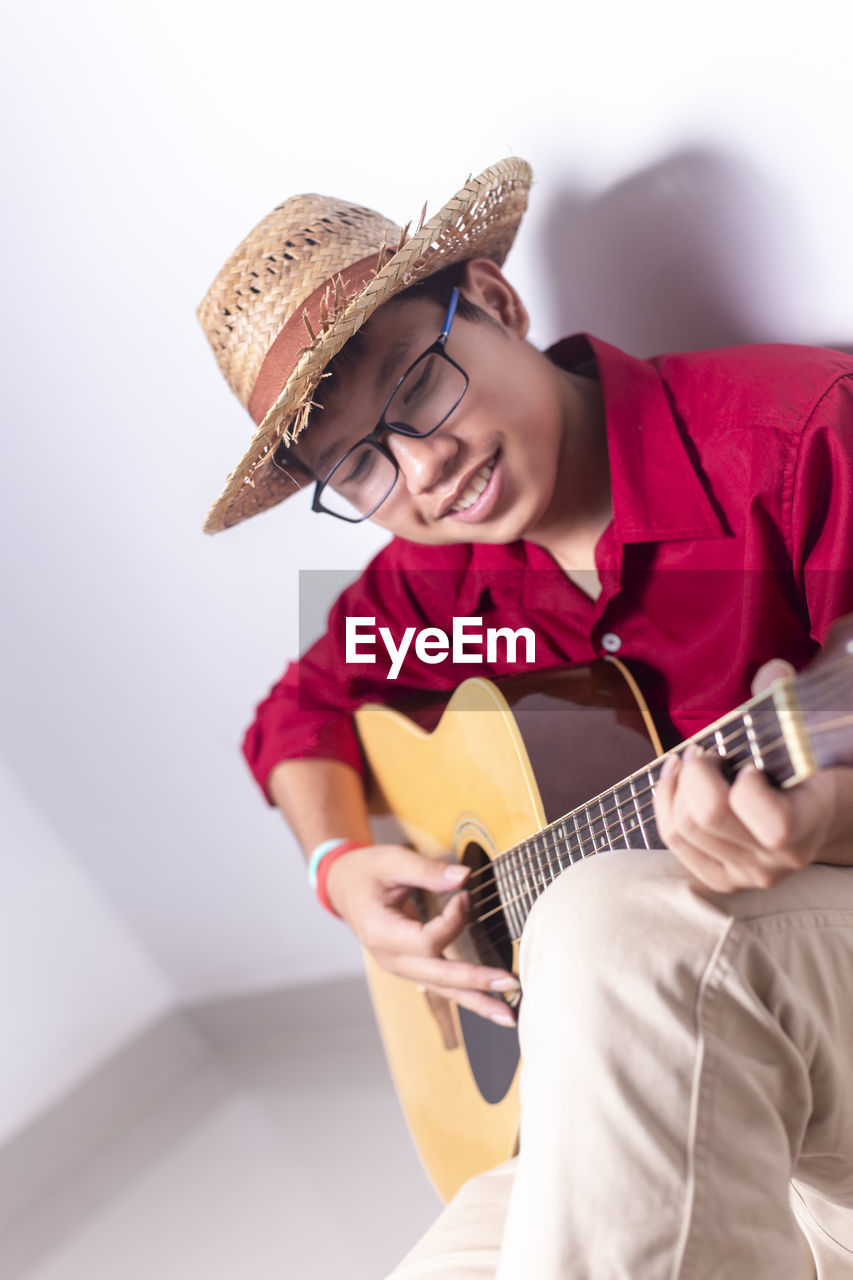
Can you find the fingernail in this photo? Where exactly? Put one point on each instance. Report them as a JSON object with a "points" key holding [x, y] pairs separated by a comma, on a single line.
{"points": [[693, 752], [670, 766], [505, 984], [503, 1019], [777, 669], [455, 874]]}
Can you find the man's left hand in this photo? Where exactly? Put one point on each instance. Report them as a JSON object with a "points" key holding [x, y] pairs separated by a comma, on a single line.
{"points": [[750, 834]]}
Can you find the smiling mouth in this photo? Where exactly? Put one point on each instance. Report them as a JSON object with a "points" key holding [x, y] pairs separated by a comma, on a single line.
{"points": [[476, 486]]}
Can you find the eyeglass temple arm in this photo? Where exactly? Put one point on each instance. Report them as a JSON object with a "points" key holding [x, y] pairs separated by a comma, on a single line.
{"points": [[448, 319]]}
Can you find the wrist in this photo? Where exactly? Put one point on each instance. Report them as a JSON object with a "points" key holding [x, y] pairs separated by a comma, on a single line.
{"points": [[321, 862]]}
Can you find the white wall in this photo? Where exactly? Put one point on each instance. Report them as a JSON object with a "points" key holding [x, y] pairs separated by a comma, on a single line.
{"points": [[693, 187], [75, 983]]}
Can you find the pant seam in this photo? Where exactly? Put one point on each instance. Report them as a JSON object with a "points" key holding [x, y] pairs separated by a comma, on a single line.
{"points": [[817, 1227], [705, 1012]]}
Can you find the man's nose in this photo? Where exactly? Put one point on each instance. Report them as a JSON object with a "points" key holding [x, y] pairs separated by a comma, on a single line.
{"points": [[423, 460]]}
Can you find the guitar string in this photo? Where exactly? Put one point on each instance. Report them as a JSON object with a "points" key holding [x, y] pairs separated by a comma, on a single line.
{"points": [[739, 739], [739, 736], [482, 894], [824, 680], [486, 892], [497, 923], [526, 893], [527, 857], [583, 839]]}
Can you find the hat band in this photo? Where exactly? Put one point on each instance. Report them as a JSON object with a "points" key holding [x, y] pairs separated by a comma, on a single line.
{"points": [[294, 337]]}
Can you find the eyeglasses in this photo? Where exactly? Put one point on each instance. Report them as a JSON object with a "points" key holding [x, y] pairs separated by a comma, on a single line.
{"points": [[421, 402]]}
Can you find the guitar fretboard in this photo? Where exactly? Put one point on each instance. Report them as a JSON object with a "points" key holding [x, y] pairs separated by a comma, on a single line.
{"points": [[623, 817]]}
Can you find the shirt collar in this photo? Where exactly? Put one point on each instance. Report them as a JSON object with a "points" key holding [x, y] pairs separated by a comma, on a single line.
{"points": [[657, 493]]}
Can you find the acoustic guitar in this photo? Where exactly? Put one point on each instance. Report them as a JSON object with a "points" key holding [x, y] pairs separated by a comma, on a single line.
{"points": [[494, 785]]}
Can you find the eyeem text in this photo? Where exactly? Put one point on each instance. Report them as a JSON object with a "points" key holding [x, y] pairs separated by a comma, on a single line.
{"points": [[432, 645]]}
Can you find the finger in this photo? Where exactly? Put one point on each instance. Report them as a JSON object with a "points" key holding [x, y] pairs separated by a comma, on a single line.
{"points": [[437, 971], [389, 930], [690, 790], [767, 814], [701, 811], [405, 868], [663, 796], [396, 926], [720, 876], [495, 1010], [443, 928], [775, 669], [741, 870]]}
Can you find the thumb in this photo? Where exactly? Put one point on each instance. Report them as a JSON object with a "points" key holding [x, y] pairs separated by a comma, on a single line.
{"points": [[775, 669]]}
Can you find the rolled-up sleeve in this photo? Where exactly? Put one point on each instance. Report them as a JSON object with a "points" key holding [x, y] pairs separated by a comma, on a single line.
{"points": [[308, 713]]}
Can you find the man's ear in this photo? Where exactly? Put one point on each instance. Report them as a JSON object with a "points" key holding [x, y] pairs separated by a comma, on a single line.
{"points": [[484, 284]]}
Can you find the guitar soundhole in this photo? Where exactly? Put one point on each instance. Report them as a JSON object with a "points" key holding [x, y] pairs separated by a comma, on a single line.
{"points": [[489, 934], [492, 1050]]}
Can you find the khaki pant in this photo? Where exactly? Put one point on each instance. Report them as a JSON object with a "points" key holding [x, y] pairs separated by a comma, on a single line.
{"points": [[687, 1087]]}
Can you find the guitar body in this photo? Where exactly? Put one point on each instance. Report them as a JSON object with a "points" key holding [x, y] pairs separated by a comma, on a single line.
{"points": [[499, 765]]}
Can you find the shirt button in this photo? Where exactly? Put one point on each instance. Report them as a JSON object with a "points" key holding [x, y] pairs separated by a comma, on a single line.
{"points": [[611, 642]]}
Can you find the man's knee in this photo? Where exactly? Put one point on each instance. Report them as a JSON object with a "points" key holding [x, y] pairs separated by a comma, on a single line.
{"points": [[604, 906], [610, 930]]}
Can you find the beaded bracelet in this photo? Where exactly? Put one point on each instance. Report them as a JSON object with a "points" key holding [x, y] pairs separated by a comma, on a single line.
{"points": [[320, 863]]}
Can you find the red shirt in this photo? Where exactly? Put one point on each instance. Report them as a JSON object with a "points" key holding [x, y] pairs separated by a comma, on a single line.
{"points": [[731, 543]]}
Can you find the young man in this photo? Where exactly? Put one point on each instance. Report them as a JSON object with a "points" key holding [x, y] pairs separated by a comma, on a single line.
{"points": [[687, 1098]]}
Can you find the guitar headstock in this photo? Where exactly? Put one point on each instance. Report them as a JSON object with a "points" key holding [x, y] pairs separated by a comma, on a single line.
{"points": [[824, 692]]}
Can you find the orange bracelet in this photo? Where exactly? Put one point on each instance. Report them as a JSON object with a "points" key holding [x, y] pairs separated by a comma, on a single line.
{"points": [[323, 871]]}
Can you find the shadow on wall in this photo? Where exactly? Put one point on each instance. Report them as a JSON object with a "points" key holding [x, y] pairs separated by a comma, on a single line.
{"points": [[699, 250]]}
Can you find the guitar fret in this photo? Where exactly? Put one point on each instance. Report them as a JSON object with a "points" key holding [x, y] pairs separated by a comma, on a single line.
{"points": [[598, 832], [766, 733], [622, 827], [652, 832], [592, 826], [561, 844], [603, 840], [544, 869], [512, 902], [752, 740], [526, 895], [638, 815], [585, 832], [552, 853], [577, 835]]}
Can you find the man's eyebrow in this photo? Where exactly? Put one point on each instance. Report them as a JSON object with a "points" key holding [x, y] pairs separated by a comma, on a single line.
{"points": [[330, 454], [392, 359]]}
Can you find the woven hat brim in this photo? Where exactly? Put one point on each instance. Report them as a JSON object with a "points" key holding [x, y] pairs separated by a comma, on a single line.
{"points": [[480, 220]]}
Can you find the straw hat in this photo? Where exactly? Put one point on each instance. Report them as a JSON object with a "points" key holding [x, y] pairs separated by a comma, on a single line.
{"points": [[301, 284]]}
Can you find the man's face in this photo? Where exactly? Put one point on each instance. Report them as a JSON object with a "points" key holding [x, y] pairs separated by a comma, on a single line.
{"points": [[490, 473]]}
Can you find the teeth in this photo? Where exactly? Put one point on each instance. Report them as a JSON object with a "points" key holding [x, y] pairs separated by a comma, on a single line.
{"points": [[476, 485]]}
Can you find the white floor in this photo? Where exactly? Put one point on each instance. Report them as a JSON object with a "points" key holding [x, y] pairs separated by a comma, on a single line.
{"points": [[285, 1155]]}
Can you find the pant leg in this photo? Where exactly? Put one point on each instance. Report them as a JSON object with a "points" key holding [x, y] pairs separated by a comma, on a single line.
{"points": [[464, 1241], [684, 1054]]}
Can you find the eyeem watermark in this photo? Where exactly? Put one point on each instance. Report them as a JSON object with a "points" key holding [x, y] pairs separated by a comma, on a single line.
{"points": [[432, 645]]}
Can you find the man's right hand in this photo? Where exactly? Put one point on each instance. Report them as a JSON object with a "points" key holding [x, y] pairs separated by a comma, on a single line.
{"points": [[370, 888]]}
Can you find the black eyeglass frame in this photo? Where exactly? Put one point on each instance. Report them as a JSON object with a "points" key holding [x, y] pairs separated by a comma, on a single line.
{"points": [[396, 428]]}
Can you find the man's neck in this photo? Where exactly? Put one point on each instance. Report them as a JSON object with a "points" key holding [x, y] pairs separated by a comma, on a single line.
{"points": [[578, 522]]}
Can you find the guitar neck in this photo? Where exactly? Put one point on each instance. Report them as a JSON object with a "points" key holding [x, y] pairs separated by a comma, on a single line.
{"points": [[767, 732]]}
